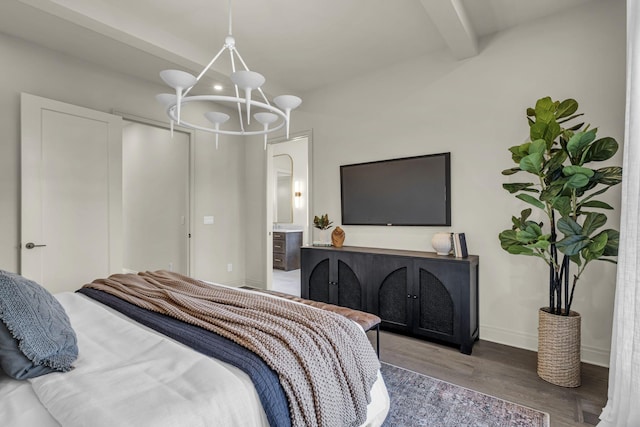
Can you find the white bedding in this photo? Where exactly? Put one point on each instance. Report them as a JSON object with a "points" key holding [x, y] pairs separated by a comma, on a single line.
{"points": [[116, 383]]}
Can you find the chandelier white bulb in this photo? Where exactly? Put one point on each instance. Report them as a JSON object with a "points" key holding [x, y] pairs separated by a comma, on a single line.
{"points": [[217, 119], [244, 80]]}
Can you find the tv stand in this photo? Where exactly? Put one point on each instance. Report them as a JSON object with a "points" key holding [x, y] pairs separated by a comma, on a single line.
{"points": [[416, 293]]}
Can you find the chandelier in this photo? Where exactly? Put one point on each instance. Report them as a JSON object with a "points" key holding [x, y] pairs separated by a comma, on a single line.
{"points": [[245, 81]]}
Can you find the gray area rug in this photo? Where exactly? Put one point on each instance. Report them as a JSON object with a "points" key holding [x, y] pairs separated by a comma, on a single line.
{"points": [[419, 400]]}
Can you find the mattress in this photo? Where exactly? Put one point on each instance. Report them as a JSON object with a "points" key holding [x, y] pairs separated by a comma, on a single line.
{"points": [[175, 386]]}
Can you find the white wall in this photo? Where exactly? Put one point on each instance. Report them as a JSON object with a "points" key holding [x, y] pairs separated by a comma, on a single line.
{"points": [[255, 213], [219, 177], [475, 109]]}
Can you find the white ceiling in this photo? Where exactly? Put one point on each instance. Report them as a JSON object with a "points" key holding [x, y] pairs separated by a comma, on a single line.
{"points": [[299, 45]]}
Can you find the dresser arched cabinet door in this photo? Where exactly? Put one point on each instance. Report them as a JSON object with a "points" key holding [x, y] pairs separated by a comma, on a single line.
{"points": [[334, 277], [392, 298]]}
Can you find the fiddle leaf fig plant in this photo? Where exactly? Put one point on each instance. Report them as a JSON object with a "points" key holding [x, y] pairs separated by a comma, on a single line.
{"points": [[562, 182]]}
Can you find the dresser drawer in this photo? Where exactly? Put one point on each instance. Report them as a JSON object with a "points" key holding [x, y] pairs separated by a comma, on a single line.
{"points": [[279, 246], [279, 261], [279, 236]]}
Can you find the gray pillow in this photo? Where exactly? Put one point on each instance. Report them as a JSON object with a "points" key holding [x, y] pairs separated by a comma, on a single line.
{"points": [[33, 322], [13, 362]]}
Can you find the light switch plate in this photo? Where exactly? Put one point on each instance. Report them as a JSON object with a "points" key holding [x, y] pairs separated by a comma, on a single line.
{"points": [[208, 220]]}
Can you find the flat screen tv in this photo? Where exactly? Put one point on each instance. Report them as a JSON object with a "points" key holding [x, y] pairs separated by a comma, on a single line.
{"points": [[406, 191]]}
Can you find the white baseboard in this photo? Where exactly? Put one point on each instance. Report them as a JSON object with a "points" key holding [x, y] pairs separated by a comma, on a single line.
{"points": [[233, 283], [592, 355], [254, 283]]}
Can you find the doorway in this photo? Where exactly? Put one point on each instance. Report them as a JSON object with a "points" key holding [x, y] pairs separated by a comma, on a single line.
{"points": [[288, 186], [155, 197]]}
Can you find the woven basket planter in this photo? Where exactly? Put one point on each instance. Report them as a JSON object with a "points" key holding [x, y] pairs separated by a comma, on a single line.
{"points": [[559, 348]]}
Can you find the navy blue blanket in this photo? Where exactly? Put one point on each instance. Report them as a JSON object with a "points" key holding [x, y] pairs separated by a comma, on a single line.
{"points": [[265, 380]]}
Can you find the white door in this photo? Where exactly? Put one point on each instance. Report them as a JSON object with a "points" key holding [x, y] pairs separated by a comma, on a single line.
{"points": [[71, 229], [155, 198]]}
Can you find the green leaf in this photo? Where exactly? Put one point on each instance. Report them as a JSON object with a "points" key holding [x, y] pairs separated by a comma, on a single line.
{"points": [[520, 250], [556, 160], [592, 222], [531, 200], [539, 244], [544, 105], [595, 204], [507, 239], [563, 205], [596, 247], [575, 127], [569, 227], [532, 163], [613, 239], [579, 141], [598, 243], [510, 244], [545, 116], [611, 175], [530, 233], [537, 130], [577, 181], [572, 245], [601, 150], [566, 108], [588, 255], [551, 133], [574, 170], [525, 236], [525, 213], [538, 146], [531, 112], [511, 171], [519, 151], [551, 192], [520, 186]]}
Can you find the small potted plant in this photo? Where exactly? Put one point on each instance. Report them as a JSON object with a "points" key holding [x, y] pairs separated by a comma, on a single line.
{"points": [[323, 224], [562, 185]]}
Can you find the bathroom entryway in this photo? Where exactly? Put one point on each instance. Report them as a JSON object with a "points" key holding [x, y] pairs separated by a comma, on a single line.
{"points": [[287, 281]]}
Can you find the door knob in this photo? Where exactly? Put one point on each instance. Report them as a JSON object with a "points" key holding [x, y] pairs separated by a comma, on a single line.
{"points": [[32, 245]]}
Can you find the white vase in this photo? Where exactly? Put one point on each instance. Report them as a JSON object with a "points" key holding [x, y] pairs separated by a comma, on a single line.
{"points": [[324, 238], [441, 242]]}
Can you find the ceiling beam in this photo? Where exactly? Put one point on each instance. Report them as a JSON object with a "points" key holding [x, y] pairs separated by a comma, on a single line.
{"points": [[451, 20]]}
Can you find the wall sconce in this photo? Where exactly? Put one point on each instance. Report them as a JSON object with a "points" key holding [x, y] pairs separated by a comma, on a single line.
{"points": [[297, 194]]}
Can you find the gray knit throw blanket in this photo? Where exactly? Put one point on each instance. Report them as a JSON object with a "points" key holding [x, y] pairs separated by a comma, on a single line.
{"points": [[325, 363]]}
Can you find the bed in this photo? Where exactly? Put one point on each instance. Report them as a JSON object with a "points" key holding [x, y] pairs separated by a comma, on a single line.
{"points": [[128, 373]]}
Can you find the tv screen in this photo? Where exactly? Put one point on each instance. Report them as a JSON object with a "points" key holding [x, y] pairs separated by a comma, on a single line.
{"points": [[406, 191]]}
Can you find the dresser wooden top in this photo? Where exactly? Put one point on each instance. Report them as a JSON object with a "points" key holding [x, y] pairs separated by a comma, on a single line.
{"points": [[395, 252]]}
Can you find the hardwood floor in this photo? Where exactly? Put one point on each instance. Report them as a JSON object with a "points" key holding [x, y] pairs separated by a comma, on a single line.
{"points": [[495, 369], [501, 371]]}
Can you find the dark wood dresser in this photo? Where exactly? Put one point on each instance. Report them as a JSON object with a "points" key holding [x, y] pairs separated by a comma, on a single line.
{"points": [[417, 293]]}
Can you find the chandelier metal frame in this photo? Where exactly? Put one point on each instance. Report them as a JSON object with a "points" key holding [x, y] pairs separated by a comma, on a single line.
{"points": [[245, 79]]}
